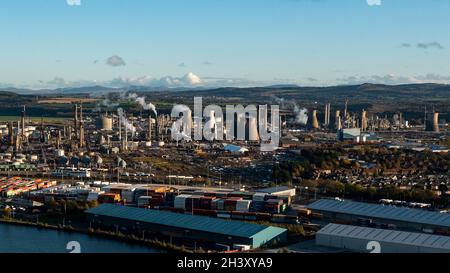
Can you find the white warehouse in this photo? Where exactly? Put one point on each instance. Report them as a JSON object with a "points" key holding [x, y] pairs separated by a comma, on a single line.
{"points": [[356, 239]]}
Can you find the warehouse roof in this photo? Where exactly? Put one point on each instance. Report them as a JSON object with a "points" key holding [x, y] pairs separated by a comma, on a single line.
{"points": [[383, 212], [387, 236], [275, 189], [193, 222]]}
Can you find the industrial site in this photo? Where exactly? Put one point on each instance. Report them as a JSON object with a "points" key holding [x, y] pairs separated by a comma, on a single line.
{"points": [[224, 136], [335, 182]]}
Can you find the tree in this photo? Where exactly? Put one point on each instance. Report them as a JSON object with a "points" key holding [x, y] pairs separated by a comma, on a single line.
{"points": [[7, 212], [443, 188]]}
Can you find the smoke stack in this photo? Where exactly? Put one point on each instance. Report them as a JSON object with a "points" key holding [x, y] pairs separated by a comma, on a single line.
{"points": [[436, 122], [315, 121], [120, 129], [18, 139], [58, 140], [81, 135], [81, 112], [75, 119], [327, 114], [157, 130], [23, 123], [11, 133], [149, 132], [126, 138], [364, 121]]}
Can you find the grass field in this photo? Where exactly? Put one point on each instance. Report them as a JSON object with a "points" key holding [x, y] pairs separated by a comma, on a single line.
{"points": [[66, 101]]}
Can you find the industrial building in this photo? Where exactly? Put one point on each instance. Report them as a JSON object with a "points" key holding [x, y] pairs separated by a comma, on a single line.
{"points": [[357, 239], [401, 217], [279, 191], [197, 228]]}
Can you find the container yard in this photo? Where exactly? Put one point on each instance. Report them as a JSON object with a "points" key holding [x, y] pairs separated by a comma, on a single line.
{"points": [[15, 186]]}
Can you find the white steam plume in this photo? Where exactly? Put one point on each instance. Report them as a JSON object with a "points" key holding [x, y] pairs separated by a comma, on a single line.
{"points": [[125, 122], [141, 100], [301, 114]]}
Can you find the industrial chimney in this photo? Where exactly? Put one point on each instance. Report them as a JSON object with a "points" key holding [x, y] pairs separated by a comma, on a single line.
{"points": [[75, 119], [81, 144], [327, 117], [149, 131], [23, 123], [11, 133]]}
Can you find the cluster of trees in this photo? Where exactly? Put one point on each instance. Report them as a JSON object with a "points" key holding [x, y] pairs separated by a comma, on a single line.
{"points": [[70, 206], [303, 165], [369, 193]]}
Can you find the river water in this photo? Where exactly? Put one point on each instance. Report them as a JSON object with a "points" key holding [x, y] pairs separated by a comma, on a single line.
{"points": [[23, 239]]}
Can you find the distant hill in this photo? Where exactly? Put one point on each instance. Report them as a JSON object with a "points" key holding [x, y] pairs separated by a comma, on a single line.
{"points": [[410, 99]]}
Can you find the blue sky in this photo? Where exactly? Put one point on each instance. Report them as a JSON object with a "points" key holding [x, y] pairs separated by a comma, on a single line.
{"points": [[48, 43]]}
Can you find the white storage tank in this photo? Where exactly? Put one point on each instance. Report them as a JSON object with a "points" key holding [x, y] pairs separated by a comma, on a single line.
{"points": [[107, 123]]}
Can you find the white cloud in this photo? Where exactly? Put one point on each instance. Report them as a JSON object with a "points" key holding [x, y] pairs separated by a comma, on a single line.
{"points": [[115, 61], [73, 2], [189, 80], [374, 2], [392, 79], [192, 79]]}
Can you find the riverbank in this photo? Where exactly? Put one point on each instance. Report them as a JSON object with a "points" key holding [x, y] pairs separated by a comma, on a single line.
{"points": [[157, 244]]}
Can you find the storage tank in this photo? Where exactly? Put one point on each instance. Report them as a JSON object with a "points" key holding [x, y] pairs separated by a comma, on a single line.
{"points": [[107, 123]]}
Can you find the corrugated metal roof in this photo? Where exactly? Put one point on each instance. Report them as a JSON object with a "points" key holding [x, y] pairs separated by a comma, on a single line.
{"points": [[275, 189], [383, 212], [185, 221], [387, 236]]}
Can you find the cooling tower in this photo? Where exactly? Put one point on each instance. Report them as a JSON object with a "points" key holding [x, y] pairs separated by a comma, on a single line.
{"points": [[338, 123], [315, 121], [191, 120], [253, 129], [212, 122], [364, 121], [436, 122]]}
